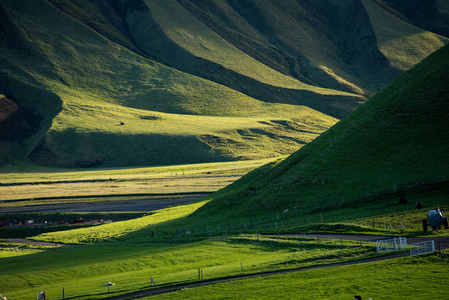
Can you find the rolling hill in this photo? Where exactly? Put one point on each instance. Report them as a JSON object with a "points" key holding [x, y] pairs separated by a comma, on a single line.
{"points": [[139, 82], [394, 145]]}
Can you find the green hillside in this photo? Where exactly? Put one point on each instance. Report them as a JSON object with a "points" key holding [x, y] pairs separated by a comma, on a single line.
{"points": [[100, 85], [126, 83], [396, 141]]}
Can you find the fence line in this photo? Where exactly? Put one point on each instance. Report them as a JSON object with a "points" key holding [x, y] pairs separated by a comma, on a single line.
{"points": [[395, 244], [279, 222], [422, 248]]}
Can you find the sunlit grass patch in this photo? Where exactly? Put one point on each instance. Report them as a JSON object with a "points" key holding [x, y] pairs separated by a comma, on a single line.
{"points": [[118, 229]]}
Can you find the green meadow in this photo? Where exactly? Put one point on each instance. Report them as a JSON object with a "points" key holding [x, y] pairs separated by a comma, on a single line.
{"points": [[406, 278], [82, 270]]}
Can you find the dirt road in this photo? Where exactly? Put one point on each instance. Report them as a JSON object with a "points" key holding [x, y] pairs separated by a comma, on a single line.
{"points": [[442, 241]]}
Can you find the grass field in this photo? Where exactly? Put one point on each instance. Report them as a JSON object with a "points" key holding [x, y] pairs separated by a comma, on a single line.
{"points": [[36, 182], [130, 266], [407, 278]]}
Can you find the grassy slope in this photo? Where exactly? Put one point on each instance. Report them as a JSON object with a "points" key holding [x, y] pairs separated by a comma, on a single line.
{"points": [[109, 84], [403, 44], [432, 15], [190, 45], [198, 39], [396, 137], [316, 42]]}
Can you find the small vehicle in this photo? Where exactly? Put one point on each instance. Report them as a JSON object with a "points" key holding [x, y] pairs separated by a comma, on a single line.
{"points": [[435, 219]]}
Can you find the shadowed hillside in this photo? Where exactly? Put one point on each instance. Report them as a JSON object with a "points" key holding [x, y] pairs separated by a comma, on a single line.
{"points": [[432, 15], [138, 82], [397, 139]]}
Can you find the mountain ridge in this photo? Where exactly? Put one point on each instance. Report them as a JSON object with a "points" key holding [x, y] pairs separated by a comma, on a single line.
{"points": [[112, 57]]}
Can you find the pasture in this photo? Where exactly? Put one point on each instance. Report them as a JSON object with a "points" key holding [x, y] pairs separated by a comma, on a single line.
{"points": [[82, 270], [171, 244]]}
